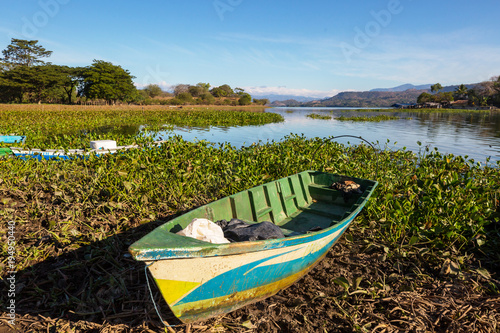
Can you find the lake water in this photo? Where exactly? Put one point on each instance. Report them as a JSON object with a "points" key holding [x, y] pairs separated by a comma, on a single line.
{"points": [[473, 134]]}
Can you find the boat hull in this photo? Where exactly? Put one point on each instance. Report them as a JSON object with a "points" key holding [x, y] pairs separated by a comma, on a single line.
{"points": [[199, 280], [199, 288], [49, 154], [12, 138]]}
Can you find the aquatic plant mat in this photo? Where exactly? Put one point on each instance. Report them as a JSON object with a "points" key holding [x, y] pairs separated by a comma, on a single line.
{"points": [[65, 126], [421, 257]]}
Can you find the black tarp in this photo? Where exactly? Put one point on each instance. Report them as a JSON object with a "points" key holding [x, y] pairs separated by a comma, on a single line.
{"points": [[240, 231]]}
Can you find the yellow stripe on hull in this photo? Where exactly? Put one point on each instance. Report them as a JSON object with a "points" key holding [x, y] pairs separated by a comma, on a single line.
{"points": [[190, 312], [174, 290]]}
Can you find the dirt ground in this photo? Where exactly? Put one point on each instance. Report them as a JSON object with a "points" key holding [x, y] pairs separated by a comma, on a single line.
{"points": [[358, 287]]}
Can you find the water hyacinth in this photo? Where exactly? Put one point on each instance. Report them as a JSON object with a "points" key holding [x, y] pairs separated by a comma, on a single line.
{"points": [[431, 215], [369, 118], [57, 126], [442, 198]]}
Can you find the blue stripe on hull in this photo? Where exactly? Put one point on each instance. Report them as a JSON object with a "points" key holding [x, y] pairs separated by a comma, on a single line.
{"points": [[12, 138], [43, 157], [249, 276]]}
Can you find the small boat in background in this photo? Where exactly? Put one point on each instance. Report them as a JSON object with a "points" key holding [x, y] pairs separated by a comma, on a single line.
{"points": [[12, 138], [98, 147], [200, 280]]}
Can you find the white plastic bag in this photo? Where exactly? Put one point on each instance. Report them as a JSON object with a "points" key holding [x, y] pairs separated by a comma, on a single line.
{"points": [[204, 230]]}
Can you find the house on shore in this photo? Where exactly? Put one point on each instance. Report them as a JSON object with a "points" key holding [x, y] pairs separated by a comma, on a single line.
{"points": [[432, 105], [405, 106], [460, 104]]}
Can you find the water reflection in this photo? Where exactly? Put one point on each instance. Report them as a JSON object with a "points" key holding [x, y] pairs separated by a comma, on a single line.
{"points": [[475, 134]]}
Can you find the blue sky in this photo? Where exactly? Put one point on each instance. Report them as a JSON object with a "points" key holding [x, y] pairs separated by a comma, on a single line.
{"points": [[313, 48]]}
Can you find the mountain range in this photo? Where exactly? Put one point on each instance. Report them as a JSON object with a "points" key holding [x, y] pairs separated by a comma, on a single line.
{"points": [[368, 98], [275, 97], [405, 87], [380, 97]]}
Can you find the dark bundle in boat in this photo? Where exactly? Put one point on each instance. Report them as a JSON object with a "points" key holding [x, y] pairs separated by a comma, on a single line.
{"points": [[239, 231], [347, 188]]}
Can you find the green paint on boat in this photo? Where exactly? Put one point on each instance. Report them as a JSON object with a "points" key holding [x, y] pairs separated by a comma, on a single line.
{"points": [[200, 280], [5, 152], [297, 204]]}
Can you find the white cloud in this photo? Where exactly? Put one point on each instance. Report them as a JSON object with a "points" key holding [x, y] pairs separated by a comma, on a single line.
{"points": [[448, 58], [290, 91], [164, 85]]}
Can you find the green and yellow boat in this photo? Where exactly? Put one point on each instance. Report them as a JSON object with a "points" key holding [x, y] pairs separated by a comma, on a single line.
{"points": [[200, 280]]}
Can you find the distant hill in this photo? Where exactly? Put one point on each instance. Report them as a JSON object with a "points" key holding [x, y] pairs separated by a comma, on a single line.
{"points": [[368, 99], [381, 97], [453, 88], [405, 87], [288, 102], [275, 97]]}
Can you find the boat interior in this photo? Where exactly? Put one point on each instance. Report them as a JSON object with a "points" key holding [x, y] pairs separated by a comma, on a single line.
{"points": [[298, 204]]}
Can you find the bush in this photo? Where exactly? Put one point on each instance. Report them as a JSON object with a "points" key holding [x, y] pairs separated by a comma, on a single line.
{"points": [[245, 99], [207, 98]]}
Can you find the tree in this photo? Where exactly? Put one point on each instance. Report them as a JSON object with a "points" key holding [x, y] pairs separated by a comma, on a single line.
{"points": [[180, 88], [13, 84], [461, 92], [44, 81], [425, 98], [263, 101], [33, 84], [222, 91], [485, 89], [204, 86], [496, 88], [3, 67], [218, 92], [496, 84], [24, 53], [197, 90], [103, 80], [444, 97], [207, 98], [245, 99], [436, 87], [153, 90], [70, 78], [185, 97]]}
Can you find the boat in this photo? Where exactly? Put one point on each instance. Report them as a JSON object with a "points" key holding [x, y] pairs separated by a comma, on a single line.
{"points": [[12, 138], [63, 154], [200, 280], [98, 147]]}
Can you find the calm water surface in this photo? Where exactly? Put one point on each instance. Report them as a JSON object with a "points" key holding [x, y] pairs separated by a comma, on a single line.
{"points": [[473, 134]]}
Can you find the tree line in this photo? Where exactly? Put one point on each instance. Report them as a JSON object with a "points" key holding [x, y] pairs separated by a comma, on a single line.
{"points": [[26, 78], [486, 93]]}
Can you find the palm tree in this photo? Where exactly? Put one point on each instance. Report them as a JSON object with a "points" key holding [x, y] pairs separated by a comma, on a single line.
{"points": [[461, 92]]}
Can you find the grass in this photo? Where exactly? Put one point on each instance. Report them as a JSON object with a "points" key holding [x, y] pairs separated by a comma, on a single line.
{"points": [[433, 216]]}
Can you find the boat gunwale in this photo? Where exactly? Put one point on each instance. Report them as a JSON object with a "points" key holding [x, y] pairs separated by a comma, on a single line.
{"points": [[70, 153], [198, 248], [12, 138]]}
